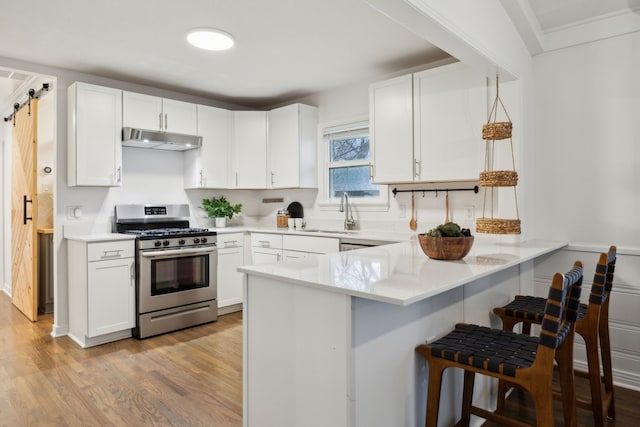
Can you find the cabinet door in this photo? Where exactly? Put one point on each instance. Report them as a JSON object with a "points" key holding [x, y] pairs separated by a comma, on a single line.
{"points": [[141, 111], [293, 255], [95, 135], [110, 296], [391, 130], [450, 109], [265, 255], [250, 149], [292, 146], [283, 144], [179, 117], [209, 166], [229, 279]]}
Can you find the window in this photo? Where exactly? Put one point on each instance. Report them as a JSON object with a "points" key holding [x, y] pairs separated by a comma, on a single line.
{"points": [[348, 163]]}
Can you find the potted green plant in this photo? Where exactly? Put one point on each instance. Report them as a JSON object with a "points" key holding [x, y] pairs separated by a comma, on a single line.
{"points": [[220, 209]]}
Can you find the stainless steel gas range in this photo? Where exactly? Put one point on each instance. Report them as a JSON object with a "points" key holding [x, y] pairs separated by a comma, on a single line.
{"points": [[176, 268]]}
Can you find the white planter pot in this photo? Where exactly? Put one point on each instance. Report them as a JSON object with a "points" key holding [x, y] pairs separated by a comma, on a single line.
{"points": [[221, 222]]}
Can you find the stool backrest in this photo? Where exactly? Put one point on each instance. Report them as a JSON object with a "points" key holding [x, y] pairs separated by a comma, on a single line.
{"points": [[603, 277], [611, 268], [564, 296]]}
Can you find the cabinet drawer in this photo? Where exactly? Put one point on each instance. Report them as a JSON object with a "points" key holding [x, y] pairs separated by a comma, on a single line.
{"points": [[265, 240], [101, 251], [231, 240], [319, 245]]}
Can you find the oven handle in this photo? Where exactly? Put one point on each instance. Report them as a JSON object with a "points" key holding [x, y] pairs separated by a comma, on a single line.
{"points": [[172, 252]]}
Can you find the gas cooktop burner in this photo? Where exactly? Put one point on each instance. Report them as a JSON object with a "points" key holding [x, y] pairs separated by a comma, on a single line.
{"points": [[169, 232]]}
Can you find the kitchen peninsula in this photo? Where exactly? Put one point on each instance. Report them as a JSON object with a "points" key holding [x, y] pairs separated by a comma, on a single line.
{"points": [[329, 341]]}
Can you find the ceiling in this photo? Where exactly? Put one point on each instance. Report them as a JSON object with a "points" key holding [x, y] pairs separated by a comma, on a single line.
{"points": [[285, 49], [554, 14]]}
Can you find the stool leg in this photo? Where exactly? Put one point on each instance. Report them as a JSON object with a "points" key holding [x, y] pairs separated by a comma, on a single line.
{"points": [[595, 380], [467, 398], [543, 403], [502, 392], [526, 328], [605, 350], [564, 356], [433, 393]]}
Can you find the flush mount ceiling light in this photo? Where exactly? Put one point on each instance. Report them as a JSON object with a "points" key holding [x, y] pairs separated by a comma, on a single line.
{"points": [[210, 39]]}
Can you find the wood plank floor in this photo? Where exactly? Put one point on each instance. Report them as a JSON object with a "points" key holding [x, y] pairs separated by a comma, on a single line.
{"points": [[186, 378]]}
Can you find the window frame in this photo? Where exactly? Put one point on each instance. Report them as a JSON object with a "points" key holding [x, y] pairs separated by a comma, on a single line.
{"points": [[326, 203]]}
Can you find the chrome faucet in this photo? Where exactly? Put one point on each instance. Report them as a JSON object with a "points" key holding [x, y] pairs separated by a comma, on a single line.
{"points": [[349, 222]]}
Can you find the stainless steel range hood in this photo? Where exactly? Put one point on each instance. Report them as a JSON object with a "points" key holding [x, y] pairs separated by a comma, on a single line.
{"points": [[142, 138]]}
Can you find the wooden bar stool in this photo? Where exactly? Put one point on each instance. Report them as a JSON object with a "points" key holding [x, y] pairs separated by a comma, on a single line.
{"points": [[518, 359], [592, 325]]}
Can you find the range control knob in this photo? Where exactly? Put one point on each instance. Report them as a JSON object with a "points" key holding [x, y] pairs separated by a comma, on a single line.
{"points": [[157, 243], [203, 240], [165, 243], [196, 240], [181, 242]]}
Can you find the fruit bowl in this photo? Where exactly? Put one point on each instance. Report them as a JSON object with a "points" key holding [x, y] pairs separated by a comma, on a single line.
{"points": [[445, 248]]}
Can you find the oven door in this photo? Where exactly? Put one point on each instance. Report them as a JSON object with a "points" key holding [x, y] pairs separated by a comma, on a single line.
{"points": [[174, 277]]}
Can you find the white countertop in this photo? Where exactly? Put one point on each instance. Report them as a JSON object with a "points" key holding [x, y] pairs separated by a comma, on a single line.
{"points": [[401, 273], [377, 235], [101, 237]]}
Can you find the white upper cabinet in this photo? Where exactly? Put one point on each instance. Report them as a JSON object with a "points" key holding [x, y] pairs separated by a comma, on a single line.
{"points": [[427, 126], [154, 113], [292, 147], [249, 149], [94, 132], [209, 165], [391, 130], [450, 107]]}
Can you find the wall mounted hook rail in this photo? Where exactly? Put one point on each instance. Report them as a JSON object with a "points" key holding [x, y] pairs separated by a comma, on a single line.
{"points": [[395, 191]]}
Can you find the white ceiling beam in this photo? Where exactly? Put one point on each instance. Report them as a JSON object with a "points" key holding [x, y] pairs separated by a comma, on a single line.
{"points": [[480, 34], [527, 24]]}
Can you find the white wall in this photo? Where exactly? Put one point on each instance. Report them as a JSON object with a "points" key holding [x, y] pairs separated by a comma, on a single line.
{"points": [[586, 171], [587, 143]]}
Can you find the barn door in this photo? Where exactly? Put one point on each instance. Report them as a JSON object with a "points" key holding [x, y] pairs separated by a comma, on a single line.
{"points": [[24, 210]]}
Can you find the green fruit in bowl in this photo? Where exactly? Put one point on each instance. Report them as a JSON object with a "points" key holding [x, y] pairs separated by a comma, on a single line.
{"points": [[450, 229]]}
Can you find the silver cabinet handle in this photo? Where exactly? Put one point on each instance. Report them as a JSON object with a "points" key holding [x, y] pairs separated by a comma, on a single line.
{"points": [[201, 178], [417, 168], [132, 271], [160, 121], [119, 175], [179, 252], [111, 254], [264, 243], [371, 172], [272, 177], [230, 243], [166, 121]]}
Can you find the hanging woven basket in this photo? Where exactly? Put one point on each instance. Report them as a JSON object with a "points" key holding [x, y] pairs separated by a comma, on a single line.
{"points": [[498, 179], [496, 130], [497, 226]]}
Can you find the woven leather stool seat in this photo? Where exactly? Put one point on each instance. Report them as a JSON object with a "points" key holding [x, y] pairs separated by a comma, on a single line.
{"points": [[592, 325], [531, 309], [486, 348], [513, 358]]}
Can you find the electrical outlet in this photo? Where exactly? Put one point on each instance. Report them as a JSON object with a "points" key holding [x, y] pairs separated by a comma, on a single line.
{"points": [[74, 212], [403, 211], [469, 213]]}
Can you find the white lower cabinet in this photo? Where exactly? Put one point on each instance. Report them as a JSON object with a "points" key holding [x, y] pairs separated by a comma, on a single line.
{"points": [[230, 257], [101, 290], [266, 248], [288, 255]]}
